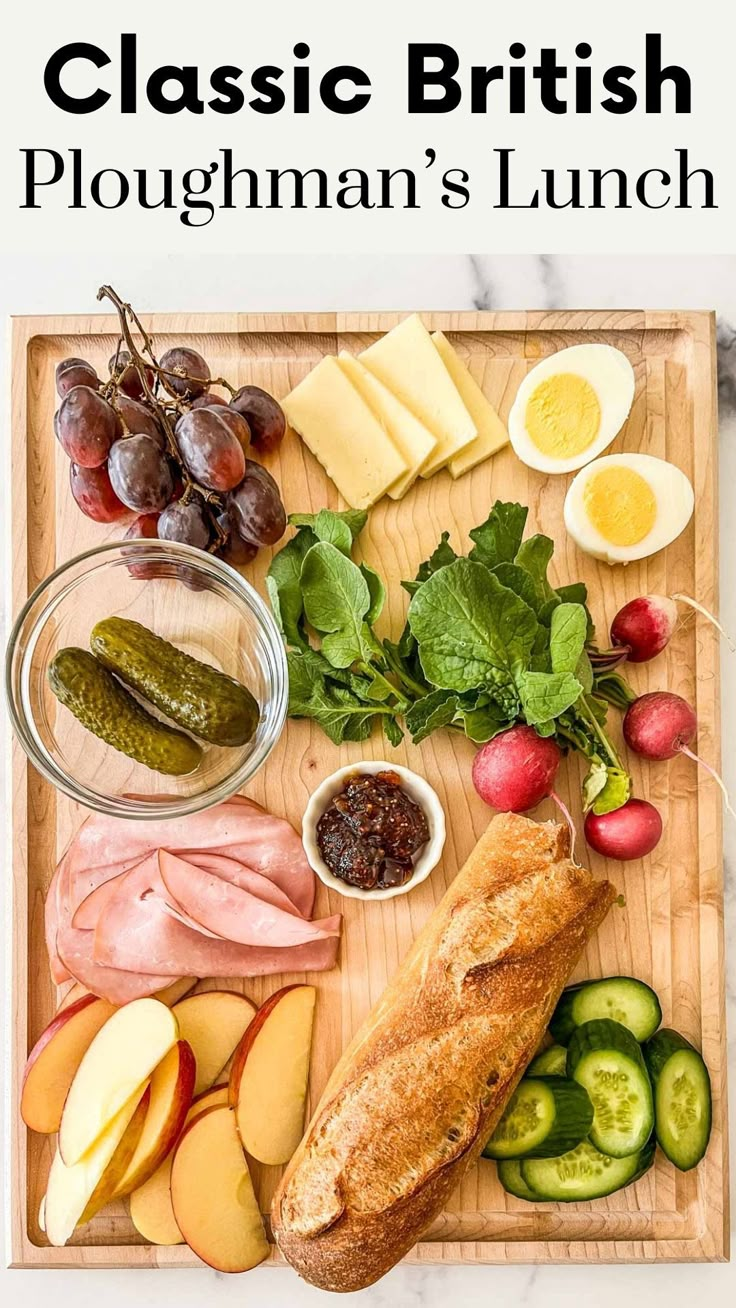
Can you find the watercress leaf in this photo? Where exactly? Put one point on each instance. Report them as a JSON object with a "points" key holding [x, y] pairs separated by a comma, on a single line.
{"points": [[377, 592], [435, 710], [439, 558], [354, 520], [283, 584], [472, 631], [392, 731], [336, 600], [614, 793], [497, 540], [567, 637], [546, 695], [535, 554]]}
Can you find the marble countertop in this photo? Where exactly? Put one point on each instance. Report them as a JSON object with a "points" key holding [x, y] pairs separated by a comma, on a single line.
{"points": [[290, 281]]}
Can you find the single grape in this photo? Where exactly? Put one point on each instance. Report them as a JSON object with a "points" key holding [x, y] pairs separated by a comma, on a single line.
{"points": [[212, 453], [75, 372], [257, 511], [140, 474], [264, 416], [190, 372], [253, 469], [238, 426], [144, 528], [185, 523], [86, 426], [128, 377], [206, 400], [138, 420], [94, 495], [234, 550]]}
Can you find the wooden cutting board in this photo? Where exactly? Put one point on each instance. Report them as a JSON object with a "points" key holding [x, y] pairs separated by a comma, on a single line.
{"points": [[671, 931]]}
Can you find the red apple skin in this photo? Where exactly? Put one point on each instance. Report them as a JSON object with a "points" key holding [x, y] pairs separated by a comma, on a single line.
{"points": [[221, 1085], [184, 1086], [56, 1024], [249, 1035]]}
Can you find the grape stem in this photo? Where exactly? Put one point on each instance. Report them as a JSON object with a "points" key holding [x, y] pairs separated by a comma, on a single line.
{"points": [[126, 314]]}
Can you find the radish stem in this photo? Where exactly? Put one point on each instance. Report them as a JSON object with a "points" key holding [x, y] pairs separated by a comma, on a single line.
{"points": [[571, 825], [684, 749], [700, 608]]}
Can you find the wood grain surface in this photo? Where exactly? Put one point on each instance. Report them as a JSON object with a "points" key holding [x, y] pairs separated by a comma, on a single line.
{"points": [[670, 931]]}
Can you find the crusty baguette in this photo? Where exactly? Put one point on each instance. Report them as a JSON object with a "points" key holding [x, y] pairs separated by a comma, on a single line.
{"points": [[417, 1093]]}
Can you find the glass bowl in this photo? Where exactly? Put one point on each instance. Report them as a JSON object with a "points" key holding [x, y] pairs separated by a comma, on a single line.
{"points": [[192, 599]]}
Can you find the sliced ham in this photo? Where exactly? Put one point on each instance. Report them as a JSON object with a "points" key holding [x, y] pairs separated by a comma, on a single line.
{"points": [[244, 877], [230, 912]]}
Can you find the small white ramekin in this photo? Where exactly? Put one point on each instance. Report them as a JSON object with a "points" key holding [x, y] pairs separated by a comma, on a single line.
{"points": [[416, 788]]}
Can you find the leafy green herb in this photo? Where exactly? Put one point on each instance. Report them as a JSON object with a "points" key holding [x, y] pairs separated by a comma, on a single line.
{"points": [[440, 557], [568, 626], [353, 519], [545, 695], [498, 539]]}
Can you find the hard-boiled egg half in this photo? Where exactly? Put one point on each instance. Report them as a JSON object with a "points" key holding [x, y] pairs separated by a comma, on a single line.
{"points": [[627, 506], [570, 407]]}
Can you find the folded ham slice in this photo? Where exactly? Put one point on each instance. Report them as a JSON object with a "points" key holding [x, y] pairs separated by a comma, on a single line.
{"points": [[226, 892]]}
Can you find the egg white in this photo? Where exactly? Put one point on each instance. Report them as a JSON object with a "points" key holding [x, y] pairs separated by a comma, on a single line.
{"points": [[674, 498], [611, 376]]}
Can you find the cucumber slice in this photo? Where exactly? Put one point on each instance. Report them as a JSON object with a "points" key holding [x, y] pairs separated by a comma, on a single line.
{"points": [[551, 1062], [604, 1057], [584, 1173], [622, 998], [545, 1116], [509, 1174], [682, 1099]]}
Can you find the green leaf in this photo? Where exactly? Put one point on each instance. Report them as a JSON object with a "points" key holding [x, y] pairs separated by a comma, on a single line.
{"points": [[519, 581], [575, 593], [328, 527], [567, 637], [283, 584], [392, 731], [546, 695], [545, 728], [435, 710], [337, 710], [336, 601], [584, 673], [472, 631], [615, 792], [440, 557], [354, 520], [497, 540], [377, 592], [481, 724], [535, 555], [614, 688]]}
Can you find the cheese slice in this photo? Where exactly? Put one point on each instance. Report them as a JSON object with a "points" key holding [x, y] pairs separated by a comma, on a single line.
{"points": [[492, 434], [412, 439], [343, 432], [407, 362]]}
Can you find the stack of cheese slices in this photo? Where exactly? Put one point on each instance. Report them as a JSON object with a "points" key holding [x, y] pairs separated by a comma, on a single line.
{"points": [[406, 407]]}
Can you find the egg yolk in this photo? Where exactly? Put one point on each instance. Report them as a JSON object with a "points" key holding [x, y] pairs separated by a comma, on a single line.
{"points": [[620, 504], [563, 416]]}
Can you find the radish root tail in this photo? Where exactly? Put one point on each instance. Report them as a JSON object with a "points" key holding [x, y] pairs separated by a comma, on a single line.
{"points": [[570, 824], [711, 772], [700, 608]]}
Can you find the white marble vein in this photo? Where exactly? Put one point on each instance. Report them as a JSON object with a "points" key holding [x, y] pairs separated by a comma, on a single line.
{"points": [[395, 281]]}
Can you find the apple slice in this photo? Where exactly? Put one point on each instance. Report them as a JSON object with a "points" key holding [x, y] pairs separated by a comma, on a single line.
{"points": [[212, 1195], [170, 1098], [150, 1205], [121, 1058], [53, 1061], [268, 1081], [70, 1189], [212, 1023], [106, 1188], [76, 991]]}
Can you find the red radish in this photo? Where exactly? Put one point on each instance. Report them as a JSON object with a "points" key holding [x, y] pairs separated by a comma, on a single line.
{"points": [[631, 831], [661, 725], [516, 770], [644, 626]]}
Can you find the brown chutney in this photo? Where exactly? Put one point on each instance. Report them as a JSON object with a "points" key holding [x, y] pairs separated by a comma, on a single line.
{"points": [[370, 833]]}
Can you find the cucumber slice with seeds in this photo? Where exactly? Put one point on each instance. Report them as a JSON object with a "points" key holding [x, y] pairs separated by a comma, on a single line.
{"points": [[551, 1062], [621, 998], [545, 1116], [604, 1057], [682, 1098], [583, 1173], [509, 1174]]}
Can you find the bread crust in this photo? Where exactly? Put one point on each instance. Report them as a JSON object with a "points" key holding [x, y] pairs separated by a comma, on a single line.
{"points": [[420, 1088]]}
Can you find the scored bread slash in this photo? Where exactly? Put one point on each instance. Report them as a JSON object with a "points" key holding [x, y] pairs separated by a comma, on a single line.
{"points": [[492, 435], [412, 438], [343, 433], [408, 363]]}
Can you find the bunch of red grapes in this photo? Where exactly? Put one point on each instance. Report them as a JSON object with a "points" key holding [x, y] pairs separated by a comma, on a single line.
{"points": [[154, 441]]}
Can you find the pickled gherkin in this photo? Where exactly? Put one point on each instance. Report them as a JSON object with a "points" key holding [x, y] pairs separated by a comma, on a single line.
{"points": [[106, 709], [211, 705]]}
